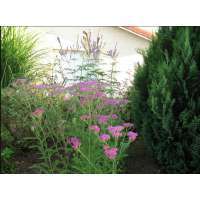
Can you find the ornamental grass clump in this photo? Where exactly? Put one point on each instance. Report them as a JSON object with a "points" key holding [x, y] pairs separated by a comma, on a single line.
{"points": [[19, 54]]}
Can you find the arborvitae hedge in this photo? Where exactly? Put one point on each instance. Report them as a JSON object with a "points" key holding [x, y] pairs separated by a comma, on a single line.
{"points": [[165, 99]]}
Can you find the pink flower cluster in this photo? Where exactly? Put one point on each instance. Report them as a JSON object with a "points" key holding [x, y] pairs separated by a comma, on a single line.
{"points": [[91, 91], [85, 117], [86, 89], [116, 134], [66, 97], [132, 136], [127, 125], [40, 86], [114, 116], [115, 102], [88, 86], [53, 89], [110, 152], [104, 137], [38, 112], [88, 83], [111, 101], [99, 95], [94, 128], [74, 142], [114, 129], [102, 119]]}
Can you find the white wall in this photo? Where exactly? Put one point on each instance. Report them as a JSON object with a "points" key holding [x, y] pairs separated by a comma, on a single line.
{"points": [[127, 43]]}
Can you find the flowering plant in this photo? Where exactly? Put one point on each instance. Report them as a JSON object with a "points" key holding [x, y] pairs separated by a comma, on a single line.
{"points": [[77, 128], [103, 134]]}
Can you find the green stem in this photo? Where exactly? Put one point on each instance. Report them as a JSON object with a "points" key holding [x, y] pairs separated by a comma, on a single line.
{"points": [[114, 167], [87, 159], [44, 146]]}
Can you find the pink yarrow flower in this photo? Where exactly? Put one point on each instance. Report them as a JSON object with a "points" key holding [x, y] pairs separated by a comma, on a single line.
{"points": [[66, 97], [127, 125], [99, 94], [110, 152], [105, 147], [102, 119], [116, 134], [111, 101], [132, 136], [114, 116], [86, 89], [74, 142], [85, 117], [124, 101], [89, 83], [38, 112], [114, 129], [104, 137], [40, 86], [95, 128]]}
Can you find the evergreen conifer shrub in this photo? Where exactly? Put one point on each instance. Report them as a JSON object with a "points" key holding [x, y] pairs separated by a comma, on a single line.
{"points": [[165, 99]]}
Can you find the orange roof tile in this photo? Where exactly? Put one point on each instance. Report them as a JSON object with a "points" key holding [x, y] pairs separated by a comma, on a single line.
{"points": [[139, 31]]}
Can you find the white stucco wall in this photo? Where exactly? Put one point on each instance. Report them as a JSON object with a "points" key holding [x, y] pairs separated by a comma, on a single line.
{"points": [[127, 43]]}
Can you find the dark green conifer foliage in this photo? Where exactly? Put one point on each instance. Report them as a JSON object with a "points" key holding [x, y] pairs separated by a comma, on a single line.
{"points": [[165, 99]]}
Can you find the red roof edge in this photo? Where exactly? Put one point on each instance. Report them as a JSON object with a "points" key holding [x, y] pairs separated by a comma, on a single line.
{"points": [[139, 31]]}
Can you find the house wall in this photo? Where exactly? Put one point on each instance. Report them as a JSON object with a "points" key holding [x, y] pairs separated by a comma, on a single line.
{"points": [[127, 43]]}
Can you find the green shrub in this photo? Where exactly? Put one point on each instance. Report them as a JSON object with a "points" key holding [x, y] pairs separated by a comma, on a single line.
{"points": [[18, 53], [165, 98], [7, 151]]}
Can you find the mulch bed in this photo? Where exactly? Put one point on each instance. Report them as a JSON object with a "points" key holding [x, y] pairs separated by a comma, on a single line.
{"points": [[140, 160], [24, 161]]}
